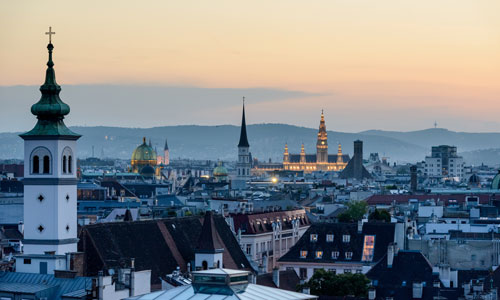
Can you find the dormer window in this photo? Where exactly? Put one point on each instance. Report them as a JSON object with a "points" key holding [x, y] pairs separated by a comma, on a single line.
{"points": [[303, 253], [348, 255], [346, 238], [319, 254], [335, 254], [329, 237], [314, 237]]}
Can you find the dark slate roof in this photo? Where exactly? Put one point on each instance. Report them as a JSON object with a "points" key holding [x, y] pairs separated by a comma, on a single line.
{"points": [[288, 280], [10, 232], [32, 283], [243, 134], [157, 245], [384, 234], [256, 223], [408, 267], [348, 172], [209, 240], [166, 145]]}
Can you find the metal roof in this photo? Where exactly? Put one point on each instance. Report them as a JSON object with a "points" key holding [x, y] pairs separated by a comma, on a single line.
{"points": [[33, 282], [251, 292]]}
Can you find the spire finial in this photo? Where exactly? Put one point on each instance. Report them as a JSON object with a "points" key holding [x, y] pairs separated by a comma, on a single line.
{"points": [[50, 33], [243, 100]]}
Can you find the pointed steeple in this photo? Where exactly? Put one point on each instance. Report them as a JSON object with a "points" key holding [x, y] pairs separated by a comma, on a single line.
{"points": [[166, 145], [243, 134], [340, 158], [50, 109], [209, 240]]}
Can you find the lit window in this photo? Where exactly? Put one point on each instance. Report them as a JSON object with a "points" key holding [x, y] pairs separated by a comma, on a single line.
{"points": [[303, 253], [346, 238], [314, 237], [348, 255], [368, 248], [319, 254], [329, 238], [335, 254]]}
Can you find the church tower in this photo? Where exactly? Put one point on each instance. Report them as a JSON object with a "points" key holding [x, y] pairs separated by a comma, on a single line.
{"points": [[286, 155], [340, 158], [244, 163], [322, 143], [50, 220], [166, 154]]}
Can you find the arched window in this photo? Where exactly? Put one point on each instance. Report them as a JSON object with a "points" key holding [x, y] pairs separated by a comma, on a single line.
{"points": [[204, 265], [46, 164], [70, 164], [40, 161], [36, 164], [64, 161]]}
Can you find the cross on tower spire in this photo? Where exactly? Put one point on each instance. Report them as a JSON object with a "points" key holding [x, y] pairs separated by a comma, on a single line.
{"points": [[50, 33]]}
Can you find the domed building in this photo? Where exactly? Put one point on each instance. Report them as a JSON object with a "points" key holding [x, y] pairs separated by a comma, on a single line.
{"points": [[144, 159], [474, 181], [220, 172], [495, 184]]}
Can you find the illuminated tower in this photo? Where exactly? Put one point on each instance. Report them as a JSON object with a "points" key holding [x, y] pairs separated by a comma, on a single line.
{"points": [[286, 155], [322, 143], [244, 164], [50, 220], [340, 159], [302, 154]]}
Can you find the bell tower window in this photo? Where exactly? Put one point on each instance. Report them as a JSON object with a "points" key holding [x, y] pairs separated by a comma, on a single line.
{"points": [[46, 164], [36, 164], [64, 161], [70, 164]]}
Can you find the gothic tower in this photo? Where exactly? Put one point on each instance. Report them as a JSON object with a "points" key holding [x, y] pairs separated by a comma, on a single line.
{"points": [[244, 164], [322, 143], [286, 155], [166, 154], [340, 159], [50, 218]]}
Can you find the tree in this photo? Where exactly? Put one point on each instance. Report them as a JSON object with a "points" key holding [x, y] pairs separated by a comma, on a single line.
{"points": [[324, 283], [380, 215], [355, 211]]}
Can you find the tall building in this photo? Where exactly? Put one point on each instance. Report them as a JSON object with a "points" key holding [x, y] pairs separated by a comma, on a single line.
{"points": [[444, 162], [244, 163], [50, 220], [355, 168], [321, 161], [166, 154]]}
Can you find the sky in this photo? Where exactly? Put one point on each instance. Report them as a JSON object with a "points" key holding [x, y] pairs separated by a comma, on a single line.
{"points": [[392, 64]]}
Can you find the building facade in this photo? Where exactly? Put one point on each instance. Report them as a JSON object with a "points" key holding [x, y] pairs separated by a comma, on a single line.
{"points": [[444, 163], [321, 161]]}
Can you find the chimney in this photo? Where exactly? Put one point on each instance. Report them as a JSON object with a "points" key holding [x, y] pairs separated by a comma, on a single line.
{"points": [[418, 290], [372, 293], [390, 255], [413, 179], [276, 277], [20, 227], [132, 264]]}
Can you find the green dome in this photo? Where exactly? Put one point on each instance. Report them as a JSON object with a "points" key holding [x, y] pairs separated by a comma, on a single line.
{"points": [[495, 184], [144, 153], [220, 170], [148, 171]]}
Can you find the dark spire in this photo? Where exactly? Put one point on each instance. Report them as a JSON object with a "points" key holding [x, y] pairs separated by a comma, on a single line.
{"points": [[243, 134], [209, 240], [166, 145], [50, 109]]}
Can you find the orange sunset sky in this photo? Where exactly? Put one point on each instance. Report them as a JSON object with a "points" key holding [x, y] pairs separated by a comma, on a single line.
{"points": [[387, 64]]}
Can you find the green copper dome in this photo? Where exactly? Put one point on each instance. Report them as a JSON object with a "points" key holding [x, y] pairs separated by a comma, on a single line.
{"points": [[220, 170], [495, 184], [144, 153], [50, 110]]}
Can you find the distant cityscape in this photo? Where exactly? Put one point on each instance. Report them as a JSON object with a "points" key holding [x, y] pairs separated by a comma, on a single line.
{"points": [[312, 224]]}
